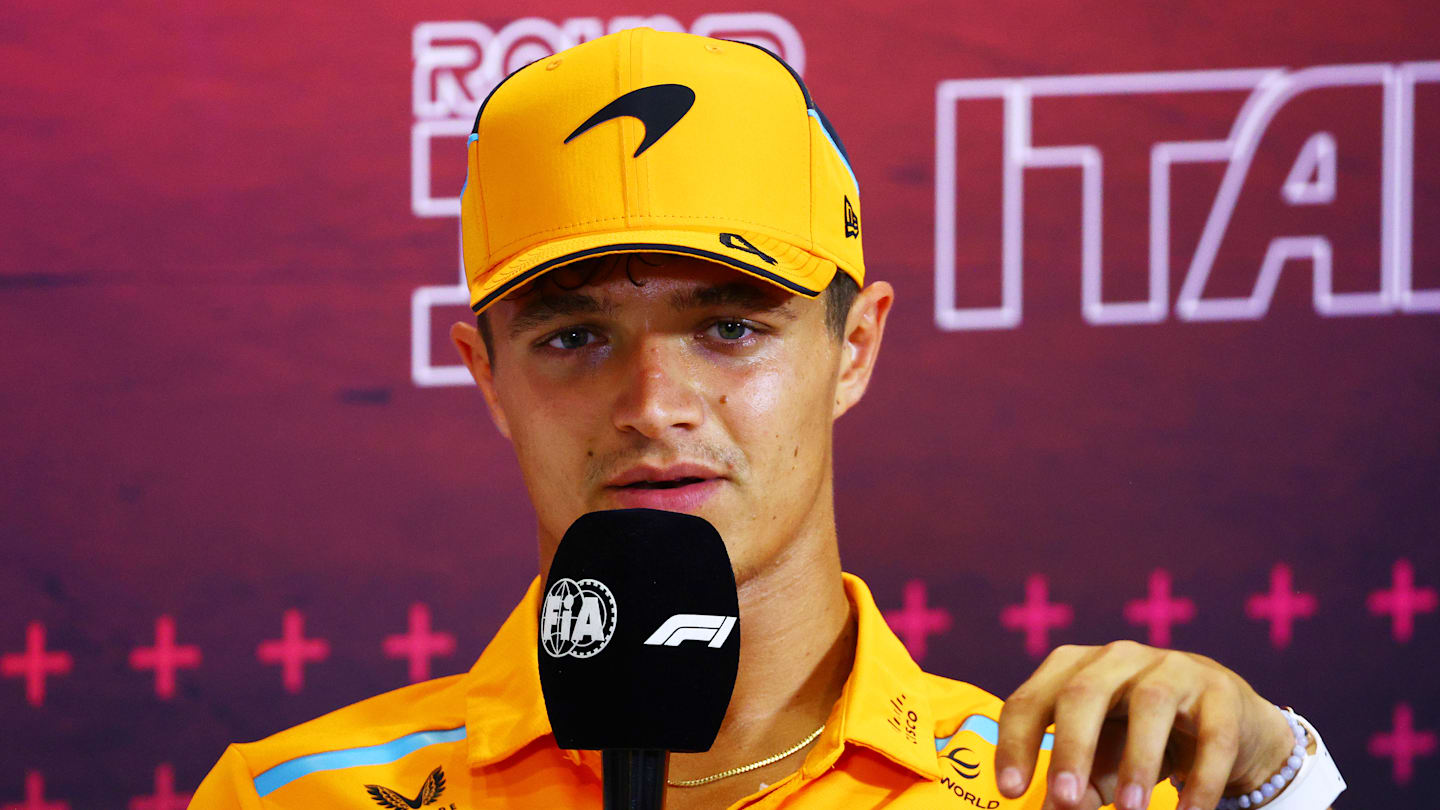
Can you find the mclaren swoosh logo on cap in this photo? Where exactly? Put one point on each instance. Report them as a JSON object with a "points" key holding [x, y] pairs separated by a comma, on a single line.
{"points": [[659, 107]]}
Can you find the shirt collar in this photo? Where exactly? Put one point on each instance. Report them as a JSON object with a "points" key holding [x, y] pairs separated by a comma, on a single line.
{"points": [[884, 705], [504, 709]]}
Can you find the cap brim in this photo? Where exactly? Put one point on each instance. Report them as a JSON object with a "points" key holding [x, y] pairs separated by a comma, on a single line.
{"points": [[776, 261]]}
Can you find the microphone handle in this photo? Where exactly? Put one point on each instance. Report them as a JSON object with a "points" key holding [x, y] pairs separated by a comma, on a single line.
{"points": [[634, 778]]}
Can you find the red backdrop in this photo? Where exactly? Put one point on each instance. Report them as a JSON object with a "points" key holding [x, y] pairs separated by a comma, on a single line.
{"points": [[1163, 357]]}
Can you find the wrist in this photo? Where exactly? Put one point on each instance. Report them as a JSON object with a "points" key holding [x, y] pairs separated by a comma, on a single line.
{"points": [[1277, 746], [1308, 780]]}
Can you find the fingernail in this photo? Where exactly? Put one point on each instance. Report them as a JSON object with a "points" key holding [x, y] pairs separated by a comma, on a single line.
{"points": [[1131, 797], [1067, 787], [1010, 781]]}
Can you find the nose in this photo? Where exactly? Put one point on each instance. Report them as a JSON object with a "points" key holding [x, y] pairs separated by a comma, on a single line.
{"points": [[658, 391]]}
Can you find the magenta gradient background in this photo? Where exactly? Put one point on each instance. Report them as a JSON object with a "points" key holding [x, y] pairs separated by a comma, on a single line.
{"points": [[208, 256]]}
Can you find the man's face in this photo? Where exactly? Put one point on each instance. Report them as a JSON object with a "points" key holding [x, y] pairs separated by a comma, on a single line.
{"points": [[700, 389]]}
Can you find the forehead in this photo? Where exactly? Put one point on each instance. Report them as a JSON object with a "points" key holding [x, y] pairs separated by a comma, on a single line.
{"points": [[609, 284]]}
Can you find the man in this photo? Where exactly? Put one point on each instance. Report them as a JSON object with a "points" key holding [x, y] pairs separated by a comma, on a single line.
{"points": [[662, 241]]}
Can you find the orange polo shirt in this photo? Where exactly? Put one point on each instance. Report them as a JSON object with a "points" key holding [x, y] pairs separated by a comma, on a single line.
{"points": [[898, 737]]}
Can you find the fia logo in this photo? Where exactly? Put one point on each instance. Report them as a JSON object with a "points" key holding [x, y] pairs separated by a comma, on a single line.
{"points": [[577, 619]]}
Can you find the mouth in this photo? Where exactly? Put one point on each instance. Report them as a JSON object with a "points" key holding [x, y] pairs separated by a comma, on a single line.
{"points": [[674, 483], [678, 487]]}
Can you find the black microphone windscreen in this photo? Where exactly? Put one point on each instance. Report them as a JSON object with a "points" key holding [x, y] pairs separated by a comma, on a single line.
{"points": [[639, 632]]}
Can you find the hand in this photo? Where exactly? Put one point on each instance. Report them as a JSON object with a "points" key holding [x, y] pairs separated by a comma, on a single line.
{"points": [[1126, 716]]}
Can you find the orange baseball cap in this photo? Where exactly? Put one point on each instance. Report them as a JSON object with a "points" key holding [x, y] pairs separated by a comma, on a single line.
{"points": [[650, 141]]}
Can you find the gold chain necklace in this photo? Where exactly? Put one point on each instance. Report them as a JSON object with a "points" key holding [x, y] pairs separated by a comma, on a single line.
{"points": [[705, 780]]}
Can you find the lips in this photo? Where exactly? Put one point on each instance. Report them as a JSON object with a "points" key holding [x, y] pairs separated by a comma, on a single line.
{"points": [[670, 476], [679, 482], [674, 487]]}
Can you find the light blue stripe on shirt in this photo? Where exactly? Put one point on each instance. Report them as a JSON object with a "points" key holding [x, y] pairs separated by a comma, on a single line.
{"points": [[989, 731], [287, 772]]}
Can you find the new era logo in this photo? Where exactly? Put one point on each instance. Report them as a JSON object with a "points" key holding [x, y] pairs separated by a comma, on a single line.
{"points": [[852, 220], [683, 627]]}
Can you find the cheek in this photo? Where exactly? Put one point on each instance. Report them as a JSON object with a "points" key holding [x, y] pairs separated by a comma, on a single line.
{"points": [[758, 397], [546, 427], [778, 415]]}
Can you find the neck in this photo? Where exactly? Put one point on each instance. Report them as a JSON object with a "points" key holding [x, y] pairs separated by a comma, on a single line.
{"points": [[797, 647]]}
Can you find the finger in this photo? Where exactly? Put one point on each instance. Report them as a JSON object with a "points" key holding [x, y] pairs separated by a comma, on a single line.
{"points": [[1092, 800], [1217, 741], [1081, 707], [1107, 758], [1153, 701], [1025, 715]]}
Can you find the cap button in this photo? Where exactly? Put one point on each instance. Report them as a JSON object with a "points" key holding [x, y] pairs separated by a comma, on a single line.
{"points": [[553, 63], [713, 48]]}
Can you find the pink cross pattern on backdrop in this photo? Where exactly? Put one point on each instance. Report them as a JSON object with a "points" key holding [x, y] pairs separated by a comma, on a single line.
{"points": [[1158, 610], [292, 650], [915, 622], [165, 657], [35, 664], [1281, 606], [1403, 744], [165, 797], [1037, 615], [1402, 601], [35, 796], [419, 644]]}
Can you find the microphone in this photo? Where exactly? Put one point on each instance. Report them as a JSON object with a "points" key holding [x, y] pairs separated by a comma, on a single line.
{"points": [[639, 644]]}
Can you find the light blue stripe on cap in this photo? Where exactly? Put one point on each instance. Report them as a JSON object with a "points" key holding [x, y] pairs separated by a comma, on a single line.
{"points": [[989, 731], [835, 146], [474, 136], [287, 772]]}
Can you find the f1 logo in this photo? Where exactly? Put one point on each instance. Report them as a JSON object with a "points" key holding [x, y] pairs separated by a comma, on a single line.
{"points": [[683, 627], [1356, 235]]}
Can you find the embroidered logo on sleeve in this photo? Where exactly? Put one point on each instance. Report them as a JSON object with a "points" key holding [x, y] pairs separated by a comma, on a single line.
{"points": [[429, 793]]}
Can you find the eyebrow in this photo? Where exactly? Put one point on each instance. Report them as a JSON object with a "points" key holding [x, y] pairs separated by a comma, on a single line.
{"points": [[737, 294], [542, 309]]}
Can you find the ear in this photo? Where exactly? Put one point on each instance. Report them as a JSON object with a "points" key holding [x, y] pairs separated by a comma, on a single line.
{"points": [[472, 353], [864, 327]]}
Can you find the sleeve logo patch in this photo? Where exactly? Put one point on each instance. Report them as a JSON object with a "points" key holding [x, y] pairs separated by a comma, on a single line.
{"points": [[429, 793]]}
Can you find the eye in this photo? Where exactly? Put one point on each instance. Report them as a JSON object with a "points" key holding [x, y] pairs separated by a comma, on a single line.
{"points": [[731, 330], [573, 338]]}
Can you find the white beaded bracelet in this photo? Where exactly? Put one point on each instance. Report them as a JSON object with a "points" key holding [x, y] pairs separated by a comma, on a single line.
{"points": [[1318, 769], [1276, 783]]}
